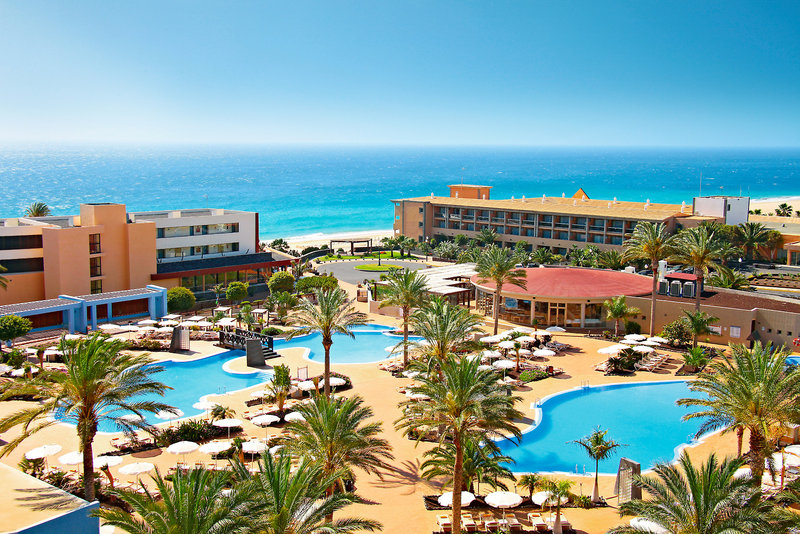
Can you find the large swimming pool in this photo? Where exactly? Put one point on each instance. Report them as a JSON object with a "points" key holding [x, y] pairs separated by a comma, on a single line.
{"points": [[368, 346], [643, 416]]}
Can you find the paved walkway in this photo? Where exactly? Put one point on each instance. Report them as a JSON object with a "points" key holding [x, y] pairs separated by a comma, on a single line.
{"points": [[346, 271]]}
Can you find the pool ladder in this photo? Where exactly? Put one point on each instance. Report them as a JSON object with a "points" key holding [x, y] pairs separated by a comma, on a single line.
{"points": [[222, 390], [584, 384], [536, 403]]}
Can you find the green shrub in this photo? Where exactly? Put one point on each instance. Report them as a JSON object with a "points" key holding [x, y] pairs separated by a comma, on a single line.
{"points": [[582, 501], [180, 299], [632, 327], [309, 283], [150, 345], [309, 250], [532, 375], [272, 331], [236, 291], [13, 326], [281, 281], [679, 332], [190, 430], [15, 358]]}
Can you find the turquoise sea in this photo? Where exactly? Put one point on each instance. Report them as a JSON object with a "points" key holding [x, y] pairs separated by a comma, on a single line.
{"points": [[308, 190]]}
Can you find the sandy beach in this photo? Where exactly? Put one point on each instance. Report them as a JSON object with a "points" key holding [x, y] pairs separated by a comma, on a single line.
{"points": [[315, 240], [768, 205]]}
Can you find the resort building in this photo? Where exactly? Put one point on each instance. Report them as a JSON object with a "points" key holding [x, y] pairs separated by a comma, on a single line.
{"points": [[789, 227], [106, 249], [555, 222]]}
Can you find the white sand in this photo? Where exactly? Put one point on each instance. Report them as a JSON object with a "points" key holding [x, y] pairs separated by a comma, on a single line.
{"points": [[768, 205], [315, 240]]}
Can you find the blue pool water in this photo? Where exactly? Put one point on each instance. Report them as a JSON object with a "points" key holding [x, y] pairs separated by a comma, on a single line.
{"points": [[368, 346], [642, 416]]}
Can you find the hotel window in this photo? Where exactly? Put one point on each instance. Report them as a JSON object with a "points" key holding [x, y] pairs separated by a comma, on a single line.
{"points": [[419, 224], [178, 231], [95, 268], [421, 210], [15, 242], [562, 235], [717, 330], [94, 243], [547, 234], [96, 286], [227, 228]]}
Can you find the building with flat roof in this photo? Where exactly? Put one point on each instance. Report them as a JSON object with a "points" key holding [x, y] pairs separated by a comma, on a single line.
{"points": [[106, 249]]}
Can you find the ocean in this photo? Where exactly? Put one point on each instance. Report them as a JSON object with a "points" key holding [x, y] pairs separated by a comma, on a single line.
{"points": [[300, 191]]}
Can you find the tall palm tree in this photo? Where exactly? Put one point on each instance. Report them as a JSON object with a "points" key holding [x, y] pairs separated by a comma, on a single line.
{"points": [[498, 265], [406, 289], [750, 236], [338, 435], [38, 209], [773, 243], [652, 243], [192, 502], [464, 404], [699, 323], [701, 249], [486, 237], [3, 279], [709, 500], [101, 384], [295, 500], [444, 326], [617, 309], [482, 463], [390, 243], [333, 313], [784, 210], [752, 389], [558, 490], [598, 448], [530, 482]]}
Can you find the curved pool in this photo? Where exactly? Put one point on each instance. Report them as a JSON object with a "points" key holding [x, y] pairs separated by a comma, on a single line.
{"points": [[369, 345], [642, 416]]}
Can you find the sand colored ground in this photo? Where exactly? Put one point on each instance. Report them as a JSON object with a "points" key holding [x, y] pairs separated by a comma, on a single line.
{"points": [[395, 499], [300, 242], [767, 206]]}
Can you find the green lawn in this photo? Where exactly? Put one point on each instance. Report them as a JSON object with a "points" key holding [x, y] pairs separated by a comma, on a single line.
{"points": [[375, 268], [384, 255]]}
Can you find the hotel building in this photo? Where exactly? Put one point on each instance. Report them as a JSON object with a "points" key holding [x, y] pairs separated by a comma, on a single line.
{"points": [[106, 249], [554, 222]]}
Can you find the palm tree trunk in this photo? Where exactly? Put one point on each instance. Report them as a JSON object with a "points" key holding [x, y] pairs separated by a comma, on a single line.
{"points": [[457, 483], [596, 489], [756, 454], [516, 369], [496, 310], [739, 439], [616, 327], [699, 291], [557, 524], [327, 372], [405, 336], [653, 303], [88, 470], [329, 493]]}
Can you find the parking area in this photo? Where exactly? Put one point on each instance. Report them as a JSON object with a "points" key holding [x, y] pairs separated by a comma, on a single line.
{"points": [[346, 270]]}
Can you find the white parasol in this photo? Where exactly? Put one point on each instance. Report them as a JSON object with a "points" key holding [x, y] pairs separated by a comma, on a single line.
{"points": [[204, 405], [636, 337], [147, 322], [254, 446], [183, 447], [446, 498], [109, 326], [265, 420], [43, 452], [503, 499], [293, 417], [215, 447], [170, 415], [71, 458], [526, 339], [335, 381], [658, 339], [645, 525], [507, 344], [555, 329], [132, 417], [643, 349], [168, 322], [228, 423], [504, 364], [308, 385], [107, 461], [492, 354], [137, 468], [485, 368], [544, 353], [544, 496]]}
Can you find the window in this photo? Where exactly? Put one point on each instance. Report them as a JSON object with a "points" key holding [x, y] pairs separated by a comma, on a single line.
{"points": [[716, 330], [421, 210], [96, 286], [23, 265], [177, 231], [94, 243], [419, 224], [736, 332], [14, 242], [95, 268]]}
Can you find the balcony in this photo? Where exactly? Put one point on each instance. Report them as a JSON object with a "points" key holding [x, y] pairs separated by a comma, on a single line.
{"points": [[529, 222], [500, 220], [482, 218], [455, 217], [597, 228], [615, 229], [512, 221]]}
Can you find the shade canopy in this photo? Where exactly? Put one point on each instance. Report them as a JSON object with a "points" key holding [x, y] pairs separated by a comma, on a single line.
{"points": [[609, 350], [171, 316], [293, 417], [485, 368], [555, 329], [503, 499], [636, 337], [504, 364], [265, 420], [507, 344], [544, 353], [417, 396], [658, 339], [254, 446], [335, 381], [446, 498], [137, 468], [650, 343], [523, 329], [645, 525], [170, 415], [643, 349], [132, 417], [107, 461], [204, 405], [147, 322], [227, 423], [204, 324], [43, 452], [183, 447], [545, 496], [492, 354], [71, 458], [109, 326], [72, 337], [307, 385], [168, 322], [526, 339], [215, 447]]}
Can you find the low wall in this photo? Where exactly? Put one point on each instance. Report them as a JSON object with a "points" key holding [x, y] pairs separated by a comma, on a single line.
{"points": [[389, 311]]}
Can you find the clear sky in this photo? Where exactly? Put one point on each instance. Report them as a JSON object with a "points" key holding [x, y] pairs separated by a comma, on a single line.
{"points": [[596, 73]]}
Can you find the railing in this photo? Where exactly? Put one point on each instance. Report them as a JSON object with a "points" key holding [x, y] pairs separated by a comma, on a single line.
{"points": [[498, 220], [483, 219], [512, 221]]}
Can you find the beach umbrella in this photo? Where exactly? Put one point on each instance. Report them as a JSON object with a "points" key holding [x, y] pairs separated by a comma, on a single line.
{"points": [[645, 525], [147, 322], [743, 472], [609, 350], [541, 333], [164, 330], [254, 446], [71, 458], [336, 382], [503, 500], [544, 353], [472, 357], [5, 368], [417, 396], [109, 326], [276, 448], [523, 329], [293, 417], [526, 339], [129, 328], [187, 324], [524, 352], [257, 394], [43, 452], [628, 342], [168, 322], [544, 496], [788, 460], [410, 374], [307, 385], [636, 337], [649, 343], [215, 447], [72, 337], [643, 349], [137, 468], [446, 498], [485, 368], [228, 423], [490, 339], [183, 447], [658, 339], [204, 324], [131, 417], [107, 461], [170, 415], [504, 364], [492, 354], [147, 329], [555, 329], [196, 318], [507, 344], [171, 316], [265, 420]]}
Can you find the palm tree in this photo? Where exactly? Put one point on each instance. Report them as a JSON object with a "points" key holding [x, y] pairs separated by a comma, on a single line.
{"points": [[699, 323], [191, 503], [530, 482], [281, 385], [486, 236], [750, 236], [729, 279], [3, 279], [464, 404], [406, 289], [709, 500], [498, 265], [285, 303], [101, 384], [218, 290], [774, 243], [337, 434], [558, 490], [699, 248], [407, 244], [221, 412], [390, 243], [784, 210], [617, 309], [333, 313], [482, 463], [460, 239], [598, 448], [444, 326], [652, 243], [447, 250], [38, 209], [542, 256], [295, 500], [611, 259], [751, 389]]}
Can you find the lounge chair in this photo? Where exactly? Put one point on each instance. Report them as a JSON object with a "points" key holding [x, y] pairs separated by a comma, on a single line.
{"points": [[513, 523], [489, 521], [444, 522], [468, 524], [537, 522]]}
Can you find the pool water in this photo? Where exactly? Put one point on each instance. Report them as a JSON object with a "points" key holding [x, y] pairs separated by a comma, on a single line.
{"points": [[642, 416], [368, 346]]}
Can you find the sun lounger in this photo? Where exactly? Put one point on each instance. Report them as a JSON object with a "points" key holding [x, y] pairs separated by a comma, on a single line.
{"points": [[468, 524], [489, 522], [445, 525], [513, 523], [537, 522]]}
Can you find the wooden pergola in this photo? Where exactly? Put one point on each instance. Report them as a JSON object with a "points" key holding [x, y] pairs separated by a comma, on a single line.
{"points": [[352, 242]]}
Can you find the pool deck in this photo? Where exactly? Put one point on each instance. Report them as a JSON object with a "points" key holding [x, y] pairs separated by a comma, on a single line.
{"points": [[395, 498]]}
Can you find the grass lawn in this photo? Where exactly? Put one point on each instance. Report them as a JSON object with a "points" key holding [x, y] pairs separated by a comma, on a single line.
{"points": [[384, 255], [375, 268]]}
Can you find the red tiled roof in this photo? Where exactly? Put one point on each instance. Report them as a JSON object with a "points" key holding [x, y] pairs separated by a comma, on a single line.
{"points": [[681, 276], [566, 282]]}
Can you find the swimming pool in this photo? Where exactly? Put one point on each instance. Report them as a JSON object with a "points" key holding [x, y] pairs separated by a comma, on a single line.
{"points": [[642, 416], [368, 346]]}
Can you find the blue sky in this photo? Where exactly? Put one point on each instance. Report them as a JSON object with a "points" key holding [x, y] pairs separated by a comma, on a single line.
{"points": [[573, 73]]}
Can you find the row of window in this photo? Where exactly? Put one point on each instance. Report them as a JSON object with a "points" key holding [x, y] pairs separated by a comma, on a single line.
{"points": [[183, 252], [201, 229], [15, 242], [530, 232], [561, 221], [208, 281]]}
